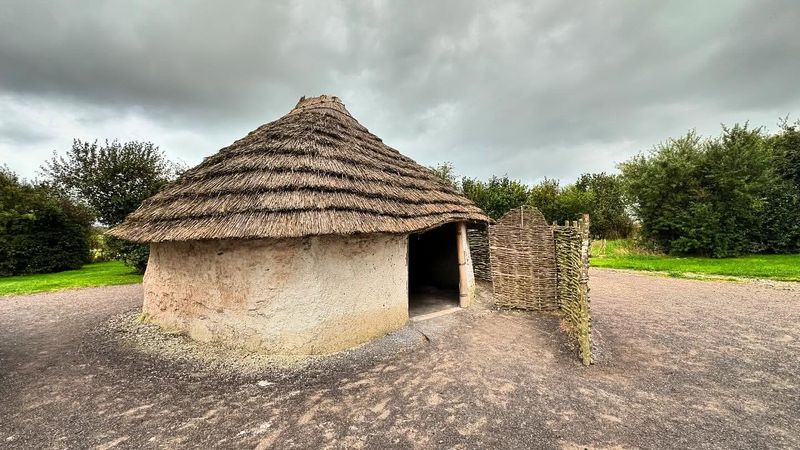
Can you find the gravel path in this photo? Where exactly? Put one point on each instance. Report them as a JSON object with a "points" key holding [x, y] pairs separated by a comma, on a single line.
{"points": [[681, 363]]}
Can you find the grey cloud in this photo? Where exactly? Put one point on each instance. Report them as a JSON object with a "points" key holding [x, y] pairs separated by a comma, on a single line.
{"points": [[16, 132], [496, 87]]}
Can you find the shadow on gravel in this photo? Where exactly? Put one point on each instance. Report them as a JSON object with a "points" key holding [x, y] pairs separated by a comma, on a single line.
{"points": [[681, 363]]}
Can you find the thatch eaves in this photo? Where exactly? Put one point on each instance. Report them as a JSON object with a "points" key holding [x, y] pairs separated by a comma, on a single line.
{"points": [[314, 171]]}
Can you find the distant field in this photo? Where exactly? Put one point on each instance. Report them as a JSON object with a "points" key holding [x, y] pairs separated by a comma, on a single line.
{"points": [[621, 254], [99, 274]]}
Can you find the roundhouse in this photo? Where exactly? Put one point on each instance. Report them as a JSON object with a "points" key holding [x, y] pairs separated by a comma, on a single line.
{"points": [[307, 236]]}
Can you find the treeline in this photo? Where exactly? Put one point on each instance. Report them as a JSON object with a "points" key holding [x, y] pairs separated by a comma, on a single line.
{"points": [[599, 194], [733, 194], [57, 223]]}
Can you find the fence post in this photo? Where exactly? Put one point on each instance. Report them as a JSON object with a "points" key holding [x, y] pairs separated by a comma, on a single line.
{"points": [[466, 277], [585, 341]]}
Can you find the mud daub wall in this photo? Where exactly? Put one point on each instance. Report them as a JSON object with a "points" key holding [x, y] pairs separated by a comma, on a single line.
{"points": [[523, 261], [572, 260], [478, 239], [274, 296], [536, 266]]}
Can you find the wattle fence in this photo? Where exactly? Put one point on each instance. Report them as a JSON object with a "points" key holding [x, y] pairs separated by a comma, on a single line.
{"points": [[572, 260], [539, 267]]}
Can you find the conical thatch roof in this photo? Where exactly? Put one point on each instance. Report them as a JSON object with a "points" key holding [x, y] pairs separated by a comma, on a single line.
{"points": [[314, 171]]}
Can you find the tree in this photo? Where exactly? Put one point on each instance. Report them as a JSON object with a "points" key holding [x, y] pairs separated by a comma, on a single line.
{"points": [[40, 231], [606, 205], [786, 144], [573, 202], [544, 196], [657, 187], [735, 173], [112, 179], [447, 173], [780, 230], [496, 196]]}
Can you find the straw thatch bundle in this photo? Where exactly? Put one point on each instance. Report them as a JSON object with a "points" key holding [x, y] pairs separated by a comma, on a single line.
{"points": [[314, 171]]}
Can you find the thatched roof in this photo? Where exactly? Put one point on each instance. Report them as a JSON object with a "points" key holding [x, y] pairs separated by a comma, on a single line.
{"points": [[314, 171]]}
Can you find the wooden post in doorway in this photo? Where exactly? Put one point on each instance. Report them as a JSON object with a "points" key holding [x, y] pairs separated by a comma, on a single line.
{"points": [[466, 278]]}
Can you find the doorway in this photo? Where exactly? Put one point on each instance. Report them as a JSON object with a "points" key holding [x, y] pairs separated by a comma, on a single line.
{"points": [[433, 274]]}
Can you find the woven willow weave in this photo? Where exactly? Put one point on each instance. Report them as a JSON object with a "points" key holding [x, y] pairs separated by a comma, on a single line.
{"points": [[523, 261], [478, 239], [572, 260]]}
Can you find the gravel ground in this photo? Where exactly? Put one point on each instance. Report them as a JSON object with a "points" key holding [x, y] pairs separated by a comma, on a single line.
{"points": [[680, 363]]}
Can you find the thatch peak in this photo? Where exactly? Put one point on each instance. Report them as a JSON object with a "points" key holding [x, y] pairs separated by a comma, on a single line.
{"points": [[326, 104], [323, 99], [314, 171]]}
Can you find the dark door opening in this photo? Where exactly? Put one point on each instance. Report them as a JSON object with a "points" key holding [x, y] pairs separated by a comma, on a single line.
{"points": [[432, 270]]}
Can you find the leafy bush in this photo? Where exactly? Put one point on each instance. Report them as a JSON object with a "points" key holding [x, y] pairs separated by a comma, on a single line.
{"points": [[779, 230], [715, 197], [132, 254], [40, 231]]}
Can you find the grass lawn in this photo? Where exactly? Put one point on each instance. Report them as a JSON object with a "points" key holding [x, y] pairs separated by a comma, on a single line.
{"points": [[98, 274], [621, 254]]}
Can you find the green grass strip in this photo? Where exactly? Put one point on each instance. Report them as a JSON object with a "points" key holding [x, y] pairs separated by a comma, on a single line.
{"points": [[622, 255], [91, 275]]}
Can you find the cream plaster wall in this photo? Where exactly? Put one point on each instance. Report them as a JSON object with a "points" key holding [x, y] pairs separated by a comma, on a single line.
{"points": [[300, 296]]}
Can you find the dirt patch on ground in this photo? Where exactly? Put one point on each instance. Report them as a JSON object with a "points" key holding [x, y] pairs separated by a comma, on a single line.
{"points": [[681, 363]]}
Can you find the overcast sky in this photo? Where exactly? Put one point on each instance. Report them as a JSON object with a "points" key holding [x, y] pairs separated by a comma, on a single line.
{"points": [[529, 89]]}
